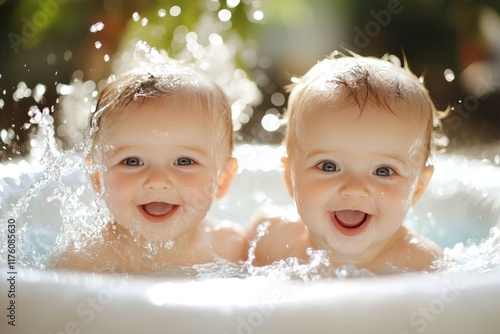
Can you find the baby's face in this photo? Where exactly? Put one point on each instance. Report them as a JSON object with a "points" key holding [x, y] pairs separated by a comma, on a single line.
{"points": [[353, 175], [162, 163]]}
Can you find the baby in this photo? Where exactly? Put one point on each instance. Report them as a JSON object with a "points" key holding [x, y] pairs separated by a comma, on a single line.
{"points": [[358, 141], [164, 148]]}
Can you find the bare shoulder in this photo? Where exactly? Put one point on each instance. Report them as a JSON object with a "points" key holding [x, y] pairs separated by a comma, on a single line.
{"points": [[284, 235], [91, 255], [416, 252], [228, 240], [80, 258]]}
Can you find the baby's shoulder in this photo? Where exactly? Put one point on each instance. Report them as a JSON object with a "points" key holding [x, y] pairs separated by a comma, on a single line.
{"points": [[93, 254], [279, 235], [416, 252], [227, 239], [84, 257]]}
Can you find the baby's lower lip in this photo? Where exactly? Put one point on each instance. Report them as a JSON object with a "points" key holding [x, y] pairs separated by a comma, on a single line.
{"points": [[157, 212], [350, 222]]}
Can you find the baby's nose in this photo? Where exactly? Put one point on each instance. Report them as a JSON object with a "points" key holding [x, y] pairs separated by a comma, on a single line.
{"points": [[158, 179], [354, 188]]}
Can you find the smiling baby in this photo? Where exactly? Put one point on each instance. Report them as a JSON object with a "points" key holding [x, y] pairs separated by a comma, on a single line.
{"points": [[358, 140], [163, 148]]}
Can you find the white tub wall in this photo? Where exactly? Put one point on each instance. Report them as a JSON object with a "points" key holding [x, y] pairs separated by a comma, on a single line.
{"points": [[461, 203], [404, 304]]}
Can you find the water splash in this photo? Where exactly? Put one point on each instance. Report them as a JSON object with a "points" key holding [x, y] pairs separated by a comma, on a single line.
{"points": [[473, 257], [213, 52], [82, 219], [261, 231], [53, 165], [318, 266]]}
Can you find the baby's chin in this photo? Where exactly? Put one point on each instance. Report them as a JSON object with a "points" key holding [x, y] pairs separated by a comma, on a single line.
{"points": [[178, 234], [342, 247], [144, 233]]}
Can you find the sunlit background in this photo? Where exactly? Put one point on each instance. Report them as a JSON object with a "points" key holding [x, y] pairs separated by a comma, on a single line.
{"points": [[56, 53]]}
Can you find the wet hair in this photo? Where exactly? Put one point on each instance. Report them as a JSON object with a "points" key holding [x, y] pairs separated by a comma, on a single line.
{"points": [[173, 80], [340, 81]]}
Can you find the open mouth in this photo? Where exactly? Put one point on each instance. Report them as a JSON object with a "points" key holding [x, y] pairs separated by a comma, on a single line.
{"points": [[350, 222], [158, 211]]}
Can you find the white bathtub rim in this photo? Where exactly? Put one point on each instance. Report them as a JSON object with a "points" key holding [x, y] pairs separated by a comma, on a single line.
{"points": [[462, 303], [296, 291]]}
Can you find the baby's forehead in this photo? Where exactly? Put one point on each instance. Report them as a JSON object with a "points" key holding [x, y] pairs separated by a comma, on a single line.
{"points": [[324, 99], [317, 110], [169, 106]]}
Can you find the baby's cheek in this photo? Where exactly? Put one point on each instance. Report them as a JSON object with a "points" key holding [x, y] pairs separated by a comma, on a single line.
{"points": [[117, 184], [198, 192], [314, 197], [396, 198]]}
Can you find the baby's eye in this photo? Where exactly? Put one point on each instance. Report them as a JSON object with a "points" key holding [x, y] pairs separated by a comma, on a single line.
{"points": [[328, 166], [383, 171], [132, 162], [184, 161]]}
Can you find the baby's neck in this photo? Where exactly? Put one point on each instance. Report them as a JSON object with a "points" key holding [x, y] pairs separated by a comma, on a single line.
{"points": [[376, 259], [149, 255]]}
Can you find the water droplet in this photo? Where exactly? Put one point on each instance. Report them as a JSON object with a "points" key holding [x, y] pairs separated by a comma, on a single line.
{"points": [[213, 5], [51, 59], [4, 135], [64, 89], [106, 58], [278, 99], [271, 122], [258, 15], [144, 22], [38, 92], [191, 37], [215, 39], [243, 118], [21, 92], [449, 75], [224, 15], [97, 27], [68, 55], [78, 74], [98, 44], [162, 12], [136, 17], [233, 3], [175, 11]]}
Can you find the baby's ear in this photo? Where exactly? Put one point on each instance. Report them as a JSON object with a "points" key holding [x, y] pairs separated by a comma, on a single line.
{"points": [[287, 175], [226, 177], [95, 178], [422, 182]]}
